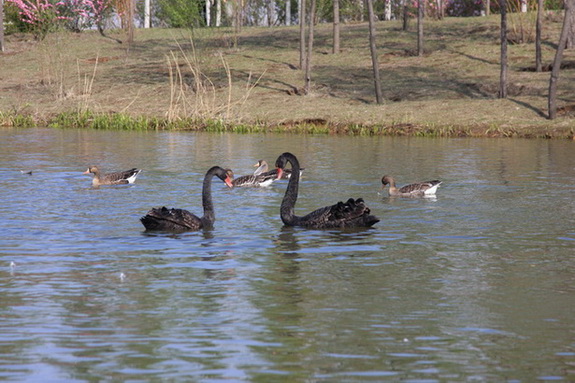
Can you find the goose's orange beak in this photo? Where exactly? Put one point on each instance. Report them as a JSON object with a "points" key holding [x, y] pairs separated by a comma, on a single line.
{"points": [[87, 171]]}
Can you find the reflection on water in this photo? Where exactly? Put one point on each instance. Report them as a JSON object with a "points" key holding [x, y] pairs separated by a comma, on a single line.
{"points": [[475, 284]]}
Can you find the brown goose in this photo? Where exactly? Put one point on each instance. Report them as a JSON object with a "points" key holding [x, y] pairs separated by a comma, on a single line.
{"points": [[117, 178], [262, 168], [352, 213], [261, 180], [257, 180], [178, 220], [418, 189]]}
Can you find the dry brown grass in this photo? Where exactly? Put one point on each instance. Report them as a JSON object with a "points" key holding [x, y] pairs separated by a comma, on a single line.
{"points": [[171, 73]]}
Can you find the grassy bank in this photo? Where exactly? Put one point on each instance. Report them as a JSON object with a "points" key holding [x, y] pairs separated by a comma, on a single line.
{"points": [[202, 80]]}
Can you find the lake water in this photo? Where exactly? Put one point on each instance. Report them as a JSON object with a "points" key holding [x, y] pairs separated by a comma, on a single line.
{"points": [[477, 284]]}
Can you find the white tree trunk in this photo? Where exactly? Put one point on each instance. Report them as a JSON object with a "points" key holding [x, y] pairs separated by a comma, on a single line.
{"points": [[218, 13], [271, 13], [146, 14], [523, 6], [229, 11], [387, 10], [288, 12]]}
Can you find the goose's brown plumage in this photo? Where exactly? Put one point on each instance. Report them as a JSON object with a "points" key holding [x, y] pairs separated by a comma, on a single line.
{"points": [[418, 189], [263, 169], [178, 220], [117, 178], [257, 180], [353, 213]]}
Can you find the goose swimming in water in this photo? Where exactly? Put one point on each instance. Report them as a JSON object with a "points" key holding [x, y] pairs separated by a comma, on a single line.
{"points": [[262, 168], [117, 178], [258, 179], [178, 220], [418, 189], [352, 213]]}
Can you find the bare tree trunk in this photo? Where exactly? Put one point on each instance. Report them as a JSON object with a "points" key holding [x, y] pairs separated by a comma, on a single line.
{"points": [[208, 12], [288, 13], [571, 34], [301, 34], [373, 48], [129, 20], [405, 15], [523, 6], [335, 26], [552, 101], [147, 14], [1, 25], [309, 49], [238, 21], [387, 14], [503, 75], [271, 12], [538, 30], [420, 13], [487, 9], [218, 13]]}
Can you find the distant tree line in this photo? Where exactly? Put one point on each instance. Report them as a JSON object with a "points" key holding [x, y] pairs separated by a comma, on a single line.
{"points": [[76, 15], [40, 17]]}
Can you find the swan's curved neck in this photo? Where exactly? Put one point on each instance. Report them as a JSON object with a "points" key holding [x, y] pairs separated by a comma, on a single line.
{"points": [[209, 214], [290, 198]]}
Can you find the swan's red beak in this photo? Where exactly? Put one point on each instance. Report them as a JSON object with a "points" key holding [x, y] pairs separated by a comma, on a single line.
{"points": [[228, 182], [280, 172]]}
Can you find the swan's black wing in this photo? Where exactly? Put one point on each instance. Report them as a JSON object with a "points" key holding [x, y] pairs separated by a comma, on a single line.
{"points": [[353, 213], [165, 219]]}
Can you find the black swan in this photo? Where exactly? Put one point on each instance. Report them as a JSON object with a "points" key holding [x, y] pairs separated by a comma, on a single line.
{"points": [[418, 189], [352, 213], [262, 168], [117, 178], [165, 219]]}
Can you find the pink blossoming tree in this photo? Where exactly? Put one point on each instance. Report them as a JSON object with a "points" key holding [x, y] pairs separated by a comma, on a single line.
{"points": [[44, 16], [41, 15]]}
